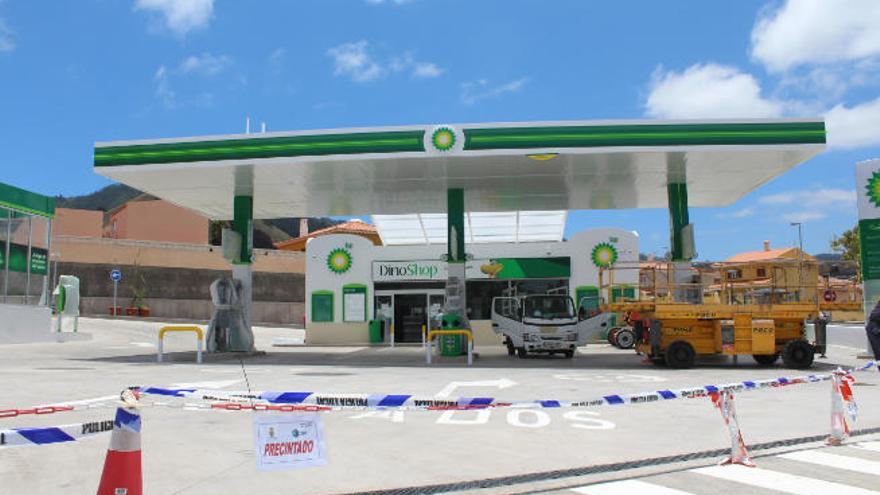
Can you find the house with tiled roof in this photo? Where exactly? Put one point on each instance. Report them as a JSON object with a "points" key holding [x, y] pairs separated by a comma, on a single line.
{"points": [[767, 254], [786, 274], [355, 227]]}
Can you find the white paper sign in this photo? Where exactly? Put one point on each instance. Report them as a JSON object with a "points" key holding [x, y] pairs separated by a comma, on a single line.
{"points": [[355, 306], [286, 441]]}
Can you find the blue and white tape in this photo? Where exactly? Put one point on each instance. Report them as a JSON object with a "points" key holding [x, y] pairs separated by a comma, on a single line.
{"points": [[411, 402], [22, 437]]}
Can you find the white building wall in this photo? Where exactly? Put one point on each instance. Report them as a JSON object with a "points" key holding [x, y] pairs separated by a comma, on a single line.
{"points": [[362, 253]]}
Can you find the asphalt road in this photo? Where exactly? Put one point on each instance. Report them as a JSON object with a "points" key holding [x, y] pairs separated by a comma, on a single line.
{"points": [[211, 452]]}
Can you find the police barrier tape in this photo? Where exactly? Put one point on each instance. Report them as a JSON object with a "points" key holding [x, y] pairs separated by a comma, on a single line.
{"points": [[238, 400], [20, 437], [312, 402]]}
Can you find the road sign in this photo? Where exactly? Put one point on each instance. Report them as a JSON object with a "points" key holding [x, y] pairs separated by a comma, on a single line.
{"points": [[115, 276]]}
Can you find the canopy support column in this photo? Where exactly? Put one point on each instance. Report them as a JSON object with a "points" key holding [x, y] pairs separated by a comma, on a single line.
{"points": [[455, 312], [243, 225], [681, 245], [678, 221]]}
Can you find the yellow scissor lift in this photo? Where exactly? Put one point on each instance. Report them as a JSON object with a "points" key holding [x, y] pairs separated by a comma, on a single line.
{"points": [[765, 317]]}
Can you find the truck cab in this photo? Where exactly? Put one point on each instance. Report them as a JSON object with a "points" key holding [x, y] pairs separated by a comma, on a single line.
{"points": [[543, 323]]}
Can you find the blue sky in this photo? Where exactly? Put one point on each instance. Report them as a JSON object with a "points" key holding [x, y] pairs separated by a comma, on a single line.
{"points": [[76, 72]]}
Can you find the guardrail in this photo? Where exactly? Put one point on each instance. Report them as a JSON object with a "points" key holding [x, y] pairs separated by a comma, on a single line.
{"points": [[461, 331], [188, 328]]}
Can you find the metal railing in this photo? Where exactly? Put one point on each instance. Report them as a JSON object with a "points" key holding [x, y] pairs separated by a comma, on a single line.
{"points": [[186, 328]]}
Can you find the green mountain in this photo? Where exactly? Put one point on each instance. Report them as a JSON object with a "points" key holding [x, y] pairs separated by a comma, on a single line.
{"points": [[104, 199]]}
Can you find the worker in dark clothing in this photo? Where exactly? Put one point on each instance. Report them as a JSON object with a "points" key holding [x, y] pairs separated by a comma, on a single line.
{"points": [[872, 328]]}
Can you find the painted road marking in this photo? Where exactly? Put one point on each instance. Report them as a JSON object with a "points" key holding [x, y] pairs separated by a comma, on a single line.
{"points": [[872, 446], [782, 482], [83, 402], [835, 461], [210, 384], [627, 378], [449, 389], [628, 487]]}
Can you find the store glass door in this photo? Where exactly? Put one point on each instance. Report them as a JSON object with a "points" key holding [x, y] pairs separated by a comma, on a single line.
{"points": [[410, 313]]}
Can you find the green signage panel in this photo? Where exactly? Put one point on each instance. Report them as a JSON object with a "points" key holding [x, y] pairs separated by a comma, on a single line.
{"points": [[559, 267], [18, 259], [322, 305], [39, 261], [869, 240]]}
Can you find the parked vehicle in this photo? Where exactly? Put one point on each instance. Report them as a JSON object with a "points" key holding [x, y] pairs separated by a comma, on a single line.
{"points": [[543, 323]]}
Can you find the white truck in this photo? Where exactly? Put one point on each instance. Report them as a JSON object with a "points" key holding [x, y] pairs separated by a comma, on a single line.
{"points": [[545, 323]]}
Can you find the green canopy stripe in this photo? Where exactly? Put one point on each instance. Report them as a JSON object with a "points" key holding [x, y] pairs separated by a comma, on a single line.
{"points": [[236, 149], [645, 135]]}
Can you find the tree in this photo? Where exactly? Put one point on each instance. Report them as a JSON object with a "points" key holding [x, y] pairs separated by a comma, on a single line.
{"points": [[847, 244]]}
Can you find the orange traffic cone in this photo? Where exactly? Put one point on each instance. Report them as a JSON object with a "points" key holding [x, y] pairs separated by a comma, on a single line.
{"points": [[122, 467]]}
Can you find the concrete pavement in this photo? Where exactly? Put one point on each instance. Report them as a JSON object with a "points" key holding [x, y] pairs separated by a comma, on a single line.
{"points": [[195, 452]]}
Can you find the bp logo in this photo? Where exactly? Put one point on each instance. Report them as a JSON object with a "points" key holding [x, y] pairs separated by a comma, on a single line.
{"points": [[339, 260], [443, 139], [873, 189], [604, 255]]}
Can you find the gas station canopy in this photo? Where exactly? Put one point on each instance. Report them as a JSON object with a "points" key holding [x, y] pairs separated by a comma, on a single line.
{"points": [[510, 167], [479, 227]]}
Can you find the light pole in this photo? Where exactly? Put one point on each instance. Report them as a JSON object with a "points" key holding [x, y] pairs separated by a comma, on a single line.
{"points": [[800, 256]]}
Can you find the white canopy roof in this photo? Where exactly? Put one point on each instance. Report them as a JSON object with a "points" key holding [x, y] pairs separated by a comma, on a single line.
{"points": [[503, 167], [480, 227]]}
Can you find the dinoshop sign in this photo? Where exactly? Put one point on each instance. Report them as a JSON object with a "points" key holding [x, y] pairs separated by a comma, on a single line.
{"points": [[500, 268], [288, 441]]}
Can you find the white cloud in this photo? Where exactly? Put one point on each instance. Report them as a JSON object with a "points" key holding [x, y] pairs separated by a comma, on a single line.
{"points": [[819, 203], [427, 70], [742, 213], [474, 91], [180, 16], [803, 216], [353, 61], [816, 32], [708, 91], [7, 42], [163, 90], [206, 64], [854, 127], [277, 55], [814, 197]]}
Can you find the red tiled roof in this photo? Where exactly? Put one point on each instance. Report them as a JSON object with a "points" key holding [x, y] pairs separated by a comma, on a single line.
{"points": [[767, 255], [350, 227]]}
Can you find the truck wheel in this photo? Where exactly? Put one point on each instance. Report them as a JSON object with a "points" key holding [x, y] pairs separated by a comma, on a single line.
{"points": [[766, 359], [797, 354], [658, 361], [680, 355], [522, 352], [611, 336], [569, 354], [626, 338]]}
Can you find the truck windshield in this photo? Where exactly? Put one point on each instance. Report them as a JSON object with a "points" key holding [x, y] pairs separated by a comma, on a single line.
{"points": [[548, 307]]}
